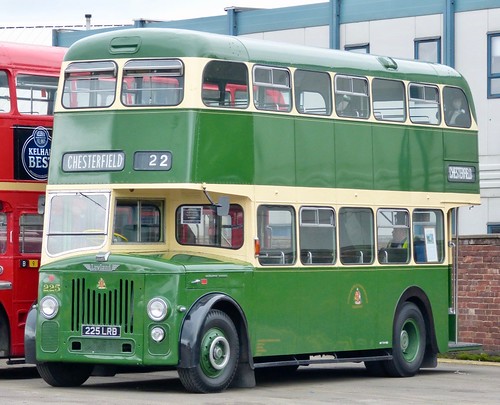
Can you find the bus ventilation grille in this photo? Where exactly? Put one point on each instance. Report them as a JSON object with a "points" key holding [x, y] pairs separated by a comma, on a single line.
{"points": [[110, 307]]}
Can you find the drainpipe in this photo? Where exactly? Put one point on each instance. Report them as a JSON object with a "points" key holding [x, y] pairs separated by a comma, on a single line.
{"points": [[335, 24], [449, 33]]}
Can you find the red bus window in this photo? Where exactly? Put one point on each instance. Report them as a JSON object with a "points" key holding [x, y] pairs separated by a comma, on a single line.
{"points": [[30, 233], [4, 93]]}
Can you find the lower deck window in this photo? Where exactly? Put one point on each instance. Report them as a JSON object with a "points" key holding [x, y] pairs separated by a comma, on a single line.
{"points": [[276, 234], [428, 236], [356, 235], [199, 225]]}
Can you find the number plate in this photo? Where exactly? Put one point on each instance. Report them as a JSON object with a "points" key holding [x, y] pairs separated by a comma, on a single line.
{"points": [[101, 331]]}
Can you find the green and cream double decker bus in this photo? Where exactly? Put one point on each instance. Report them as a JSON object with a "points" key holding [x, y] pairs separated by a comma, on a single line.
{"points": [[217, 205]]}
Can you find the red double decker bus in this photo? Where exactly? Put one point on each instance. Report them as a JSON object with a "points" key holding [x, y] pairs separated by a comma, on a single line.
{"points": [[28, 84]]}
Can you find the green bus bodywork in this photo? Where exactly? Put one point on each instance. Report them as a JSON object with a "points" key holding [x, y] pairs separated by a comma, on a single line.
{"points": [[281, 314]]}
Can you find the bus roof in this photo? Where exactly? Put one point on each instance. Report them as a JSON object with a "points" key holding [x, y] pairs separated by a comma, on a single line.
{"points": [[161, 42], [24, 55]]}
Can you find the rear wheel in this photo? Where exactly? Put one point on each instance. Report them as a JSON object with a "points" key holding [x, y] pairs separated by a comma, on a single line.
{"points": [[219, 356], [408, 342], [64, 374]]}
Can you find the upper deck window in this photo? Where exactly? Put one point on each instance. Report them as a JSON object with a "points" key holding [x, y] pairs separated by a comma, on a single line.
{"points": [[313, 92], [89, 85], [153, 82], [36, 94], [424, 104], [4, 93], [389, 100], [272, 88], [351, 97], [456, 108], [225, 84]]}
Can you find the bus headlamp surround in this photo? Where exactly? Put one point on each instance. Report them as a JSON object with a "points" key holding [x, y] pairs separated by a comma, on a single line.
{"points": [[49, 306], [157, 309]]}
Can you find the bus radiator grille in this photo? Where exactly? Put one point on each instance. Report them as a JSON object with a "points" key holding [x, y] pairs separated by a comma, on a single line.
{"points": [[109, 307]]}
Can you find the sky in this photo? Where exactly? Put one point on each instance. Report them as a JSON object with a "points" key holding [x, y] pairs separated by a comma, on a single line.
{"points": [[25, 13]]}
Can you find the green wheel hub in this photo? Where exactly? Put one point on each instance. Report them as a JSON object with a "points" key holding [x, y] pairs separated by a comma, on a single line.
{"points": [[409, 340], [215, 353]]}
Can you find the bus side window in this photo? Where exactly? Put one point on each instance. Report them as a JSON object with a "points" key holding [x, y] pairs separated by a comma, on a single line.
{"points": [[276, 234], [352, 97], [456, 108], [35, 94], [317, 235], [225, 84], [356, 235], [393, 236], [272, 89], [30, 233], [424, 104], [313, 92], [4, 93], [428, 236], [389, 100]]}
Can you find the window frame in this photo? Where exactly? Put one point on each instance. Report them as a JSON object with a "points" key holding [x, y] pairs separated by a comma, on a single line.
{"points": [[260, 89], [490, 75], [350, 95], [358, 48], [272, 255], [152, 68], [321, 255], [299, 90], [424, 101], [103, 69], [419, 41], [403, 108]]}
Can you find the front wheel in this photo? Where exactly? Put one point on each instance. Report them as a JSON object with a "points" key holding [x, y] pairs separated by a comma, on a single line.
{"points": [[408, 342], [219, 356], [64, 374]]}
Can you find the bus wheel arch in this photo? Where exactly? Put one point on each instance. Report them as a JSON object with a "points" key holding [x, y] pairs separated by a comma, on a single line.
{"points": [[413, 320], [217, 310]]}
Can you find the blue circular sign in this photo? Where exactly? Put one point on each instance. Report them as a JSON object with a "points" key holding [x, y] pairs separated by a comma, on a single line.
{"points": [[35, 154]]}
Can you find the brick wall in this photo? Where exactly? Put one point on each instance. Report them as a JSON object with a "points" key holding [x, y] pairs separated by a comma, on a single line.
{"points": [[479, 291]]}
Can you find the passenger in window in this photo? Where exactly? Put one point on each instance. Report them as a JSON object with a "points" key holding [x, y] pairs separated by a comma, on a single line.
{"points": [[345, 107], [399, 238], [457, 116]]}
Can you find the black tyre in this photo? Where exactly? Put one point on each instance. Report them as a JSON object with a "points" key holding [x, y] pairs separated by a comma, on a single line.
{"points": [[219, 356], [408, 342], [64, 374]]}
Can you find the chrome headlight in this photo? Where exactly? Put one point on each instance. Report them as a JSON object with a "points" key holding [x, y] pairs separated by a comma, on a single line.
{"points": [[157, 309], [157, 334], [49, 306]]}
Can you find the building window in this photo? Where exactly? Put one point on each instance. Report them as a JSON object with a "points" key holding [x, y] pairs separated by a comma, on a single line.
{"points": [[494, 65], [428, 50], [360, 48], [493, 227]]}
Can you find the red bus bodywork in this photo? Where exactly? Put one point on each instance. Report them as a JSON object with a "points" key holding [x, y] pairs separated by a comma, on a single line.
{"points": [[28, 81]]}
